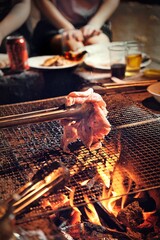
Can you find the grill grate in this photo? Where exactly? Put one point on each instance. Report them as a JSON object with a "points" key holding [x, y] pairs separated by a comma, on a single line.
{"points": [[26, 149]]}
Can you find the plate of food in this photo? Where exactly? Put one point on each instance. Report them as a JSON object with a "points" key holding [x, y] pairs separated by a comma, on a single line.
{"points": [[4, 61], [101, 60], [98, 61], [68, 60]]}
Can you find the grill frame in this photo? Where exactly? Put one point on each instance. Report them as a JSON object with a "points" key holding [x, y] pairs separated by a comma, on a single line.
{"points": [[25, 149]]}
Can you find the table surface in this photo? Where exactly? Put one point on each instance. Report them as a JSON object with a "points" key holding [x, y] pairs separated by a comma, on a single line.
{"points": [[38, 84]]}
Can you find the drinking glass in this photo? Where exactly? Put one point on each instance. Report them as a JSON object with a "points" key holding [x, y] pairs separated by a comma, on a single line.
{"points": [[117, 53], [134, 56]]}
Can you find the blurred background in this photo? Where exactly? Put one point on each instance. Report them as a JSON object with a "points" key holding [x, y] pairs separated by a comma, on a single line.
{"points": [[139, 20]]}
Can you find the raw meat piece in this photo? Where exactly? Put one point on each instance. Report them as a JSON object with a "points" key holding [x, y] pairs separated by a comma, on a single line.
{"points": [[92, 127]]}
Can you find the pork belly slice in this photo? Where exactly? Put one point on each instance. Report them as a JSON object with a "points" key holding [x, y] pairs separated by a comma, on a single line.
{"points": [[92, 127]]}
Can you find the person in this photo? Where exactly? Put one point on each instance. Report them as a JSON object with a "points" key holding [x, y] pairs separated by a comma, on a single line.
{"points": [[13, 15], [72, 23]]}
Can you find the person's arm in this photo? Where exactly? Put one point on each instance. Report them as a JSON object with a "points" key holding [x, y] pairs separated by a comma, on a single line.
{"points": [[15, 18], [93, 27], [104, 13], [49, 10]]}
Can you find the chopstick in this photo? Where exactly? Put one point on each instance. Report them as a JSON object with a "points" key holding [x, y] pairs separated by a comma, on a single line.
{"points": [[26, 114], [110, 88], [45, 115], [128, 84]]}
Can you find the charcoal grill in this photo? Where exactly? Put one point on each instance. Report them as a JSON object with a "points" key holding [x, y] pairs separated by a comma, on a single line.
{"points": [[26, 149]]}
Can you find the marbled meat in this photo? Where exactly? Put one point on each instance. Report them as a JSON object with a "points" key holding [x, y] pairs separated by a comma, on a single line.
{"points": [[91, 128]]}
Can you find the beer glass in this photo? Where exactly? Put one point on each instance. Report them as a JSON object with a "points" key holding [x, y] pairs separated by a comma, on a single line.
{"points": [[134, 56]]}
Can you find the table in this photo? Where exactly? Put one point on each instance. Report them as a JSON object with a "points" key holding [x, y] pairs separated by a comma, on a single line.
{"points": [[40, 84]]}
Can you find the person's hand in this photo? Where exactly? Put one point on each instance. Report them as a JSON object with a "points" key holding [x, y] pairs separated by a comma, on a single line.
{"points": [[97, 39], [72, 40], [90, 31], [73, 34]]}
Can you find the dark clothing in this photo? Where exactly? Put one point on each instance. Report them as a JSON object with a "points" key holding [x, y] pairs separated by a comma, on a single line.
{"points": [[5, 7], [42, 35]]}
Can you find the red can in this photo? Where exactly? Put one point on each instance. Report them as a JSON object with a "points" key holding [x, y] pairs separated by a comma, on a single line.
{"points": [[17, 52]]}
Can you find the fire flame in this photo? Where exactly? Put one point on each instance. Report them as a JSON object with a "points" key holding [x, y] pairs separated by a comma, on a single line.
{"points": [[111, 199], [91, 212]]}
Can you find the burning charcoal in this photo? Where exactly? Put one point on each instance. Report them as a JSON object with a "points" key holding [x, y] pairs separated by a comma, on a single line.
{"points": [[100, 231], [68, 216], [51, 231], [75, 231], [31, 235], [135, 235], [150, 225], [131, 216], [61, 236], [62, 217], [108, 218], [157, 225], [67, 236], [146, 203], [154, 236]]}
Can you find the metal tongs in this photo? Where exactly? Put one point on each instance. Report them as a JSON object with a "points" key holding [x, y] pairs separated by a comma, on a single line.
{"points": [[40, 184], [73, 112]]}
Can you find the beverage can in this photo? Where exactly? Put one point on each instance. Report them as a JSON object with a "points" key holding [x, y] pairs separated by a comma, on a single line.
{"points": [[17, 52]]}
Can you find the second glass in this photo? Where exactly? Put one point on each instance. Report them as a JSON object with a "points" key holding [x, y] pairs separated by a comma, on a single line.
{"points": [[134, 56], [118, 60]]}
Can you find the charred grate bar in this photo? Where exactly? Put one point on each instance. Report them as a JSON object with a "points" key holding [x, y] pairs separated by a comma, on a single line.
{"points": [[26, 149]]}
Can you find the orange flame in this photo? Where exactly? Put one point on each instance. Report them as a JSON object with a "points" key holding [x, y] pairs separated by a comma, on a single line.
{"points": [[91, 212], [146, 215], [76, 214], [109, 202]]}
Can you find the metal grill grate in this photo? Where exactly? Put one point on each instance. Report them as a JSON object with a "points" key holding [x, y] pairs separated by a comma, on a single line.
{"points": [[26, 149]]}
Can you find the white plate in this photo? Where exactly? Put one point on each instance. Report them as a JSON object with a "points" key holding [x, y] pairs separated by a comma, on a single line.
{"points": [[154, 89], [36, 62], [146, 60], [101, 60], [98, 60], [4, 61]]}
